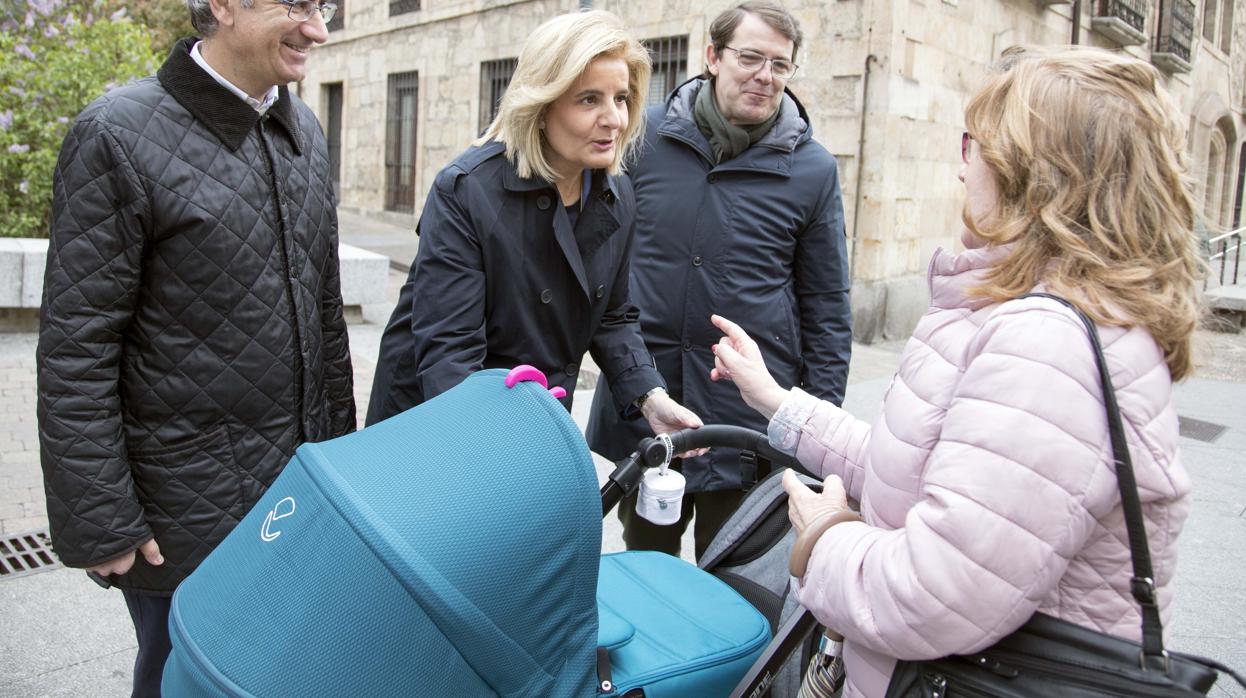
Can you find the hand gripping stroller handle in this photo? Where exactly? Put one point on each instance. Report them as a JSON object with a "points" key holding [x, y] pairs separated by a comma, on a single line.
{"points": [[650, 453]]}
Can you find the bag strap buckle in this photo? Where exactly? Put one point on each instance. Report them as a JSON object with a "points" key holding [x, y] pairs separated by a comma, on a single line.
{"points": [[1148, 662], [1143, 590]]}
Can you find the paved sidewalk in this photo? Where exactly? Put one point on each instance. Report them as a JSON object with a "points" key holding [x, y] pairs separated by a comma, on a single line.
{"points": [[63, 636]]}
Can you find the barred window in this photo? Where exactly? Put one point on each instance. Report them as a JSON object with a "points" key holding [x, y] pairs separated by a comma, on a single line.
{"points": [[1175, 33], [495, 77], [400, 125], [670, 66]]}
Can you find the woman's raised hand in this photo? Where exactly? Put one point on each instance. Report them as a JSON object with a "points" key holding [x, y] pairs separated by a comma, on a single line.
{"points": [[738, 359]]}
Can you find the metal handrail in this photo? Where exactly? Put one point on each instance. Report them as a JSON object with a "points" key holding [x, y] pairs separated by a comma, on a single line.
{"points": [[1223, 254]]}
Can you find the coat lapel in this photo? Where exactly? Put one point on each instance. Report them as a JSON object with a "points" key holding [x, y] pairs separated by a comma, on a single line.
{"points": [[599, 221], [566, 240]]}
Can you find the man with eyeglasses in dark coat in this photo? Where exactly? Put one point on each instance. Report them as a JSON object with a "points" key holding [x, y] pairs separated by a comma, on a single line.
{"points": [[738, 213], [191, 333]]}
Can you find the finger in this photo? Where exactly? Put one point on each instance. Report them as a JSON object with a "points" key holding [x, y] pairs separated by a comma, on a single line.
{"points": [[151, 551], [689, 419], [115, 567], [729, 328], [833, 487], [727, 355], [793, 486]]}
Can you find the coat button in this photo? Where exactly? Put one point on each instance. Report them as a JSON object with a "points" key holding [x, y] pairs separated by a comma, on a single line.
{"points": [[542, 202], [547, 296], [696, 261], [572, 369], [713, 178], [687, 346], [601, 291]]}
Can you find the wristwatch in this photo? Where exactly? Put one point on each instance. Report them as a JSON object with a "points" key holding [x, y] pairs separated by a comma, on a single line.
{"points": [[640, 401]]}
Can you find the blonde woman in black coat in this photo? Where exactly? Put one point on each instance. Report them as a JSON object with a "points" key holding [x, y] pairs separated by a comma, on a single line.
{"points": [[525, 237]]}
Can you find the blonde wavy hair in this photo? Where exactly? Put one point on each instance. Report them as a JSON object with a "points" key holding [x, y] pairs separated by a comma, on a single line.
{"points": [[1094, 194], [555, 55]]}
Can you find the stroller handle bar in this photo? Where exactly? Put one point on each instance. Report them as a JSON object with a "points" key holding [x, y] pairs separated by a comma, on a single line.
{"points": [[651, 452], [724, 435]]}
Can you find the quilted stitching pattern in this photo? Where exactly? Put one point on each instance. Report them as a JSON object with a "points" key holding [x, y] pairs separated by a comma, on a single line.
{"points": [[192, 333], [987, 481]]}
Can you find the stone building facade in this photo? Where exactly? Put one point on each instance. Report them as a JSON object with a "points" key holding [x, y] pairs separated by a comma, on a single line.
{"points": [[402, 86]]}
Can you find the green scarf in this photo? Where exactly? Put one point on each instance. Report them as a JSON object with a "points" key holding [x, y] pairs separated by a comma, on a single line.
{"points": [[726, 139]]}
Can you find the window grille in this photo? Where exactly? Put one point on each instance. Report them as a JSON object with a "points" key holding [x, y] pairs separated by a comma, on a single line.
{"points": [[495, 77], [670, 66], [1131, 12], [1176, 28], [400, 127]]}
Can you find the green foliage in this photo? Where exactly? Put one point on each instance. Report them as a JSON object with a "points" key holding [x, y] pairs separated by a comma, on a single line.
{"points": [[54, 60], [166, 20]]}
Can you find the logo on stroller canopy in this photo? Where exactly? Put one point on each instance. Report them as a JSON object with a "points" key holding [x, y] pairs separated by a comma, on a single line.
{"points": [[283, 509]]}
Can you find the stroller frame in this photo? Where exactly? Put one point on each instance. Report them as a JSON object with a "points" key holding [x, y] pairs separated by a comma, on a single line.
{"points": [[650, 453]]}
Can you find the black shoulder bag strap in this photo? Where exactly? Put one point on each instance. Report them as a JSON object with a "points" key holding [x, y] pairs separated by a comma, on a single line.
{"points": [[1142, 585]]}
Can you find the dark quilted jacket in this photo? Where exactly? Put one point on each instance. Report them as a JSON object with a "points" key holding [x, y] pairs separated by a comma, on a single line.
{"points": [[191, 333]]}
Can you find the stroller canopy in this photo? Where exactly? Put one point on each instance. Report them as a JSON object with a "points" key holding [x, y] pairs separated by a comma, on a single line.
{"points": [[450, 550]]}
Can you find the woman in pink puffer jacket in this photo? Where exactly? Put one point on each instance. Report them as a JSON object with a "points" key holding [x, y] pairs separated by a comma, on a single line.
{"points": [[986, 485]]}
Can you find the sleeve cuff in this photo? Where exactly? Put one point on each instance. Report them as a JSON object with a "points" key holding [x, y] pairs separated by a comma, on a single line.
{"points": [[787, 423]]}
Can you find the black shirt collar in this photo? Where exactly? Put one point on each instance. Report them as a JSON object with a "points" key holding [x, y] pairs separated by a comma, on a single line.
{"points": [[220, 110]]}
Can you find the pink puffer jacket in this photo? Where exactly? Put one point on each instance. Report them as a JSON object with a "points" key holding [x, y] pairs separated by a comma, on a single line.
{"points": [[986, 483]]}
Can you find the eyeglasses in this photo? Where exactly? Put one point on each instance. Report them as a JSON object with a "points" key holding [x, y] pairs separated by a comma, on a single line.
{"points": [[966, 145], [751, 60], [302, 10]]}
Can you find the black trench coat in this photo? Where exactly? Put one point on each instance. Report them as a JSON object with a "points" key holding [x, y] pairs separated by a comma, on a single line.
{"points": [[502, 279]]}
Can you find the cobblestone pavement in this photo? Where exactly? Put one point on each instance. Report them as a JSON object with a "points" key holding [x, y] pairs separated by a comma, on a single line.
{"points": [[65, 637], [22, 506]]}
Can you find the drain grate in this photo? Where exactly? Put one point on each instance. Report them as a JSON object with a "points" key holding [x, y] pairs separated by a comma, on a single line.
{"points": [[26, 553], [1199, 430]]}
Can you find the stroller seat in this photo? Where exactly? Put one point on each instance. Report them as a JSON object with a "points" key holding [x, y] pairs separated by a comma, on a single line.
{"points": [[451, 550], [673, 629]]}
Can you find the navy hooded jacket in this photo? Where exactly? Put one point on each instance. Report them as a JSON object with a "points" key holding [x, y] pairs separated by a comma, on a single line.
{"points": [[758, 239]]}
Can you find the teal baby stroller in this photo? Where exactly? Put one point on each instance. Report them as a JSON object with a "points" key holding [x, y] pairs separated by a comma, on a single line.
{"points": [[454, 550]]}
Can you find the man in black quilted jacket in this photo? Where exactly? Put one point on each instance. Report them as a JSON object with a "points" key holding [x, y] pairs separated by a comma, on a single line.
{"points": [[191, 333]]}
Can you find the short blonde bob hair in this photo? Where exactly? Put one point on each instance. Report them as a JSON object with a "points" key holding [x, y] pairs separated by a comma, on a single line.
{"points": [[554, 57], [1094, 193]]}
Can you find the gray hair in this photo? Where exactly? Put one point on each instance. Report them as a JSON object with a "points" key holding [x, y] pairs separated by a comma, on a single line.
{"points": [[201, 17]]}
